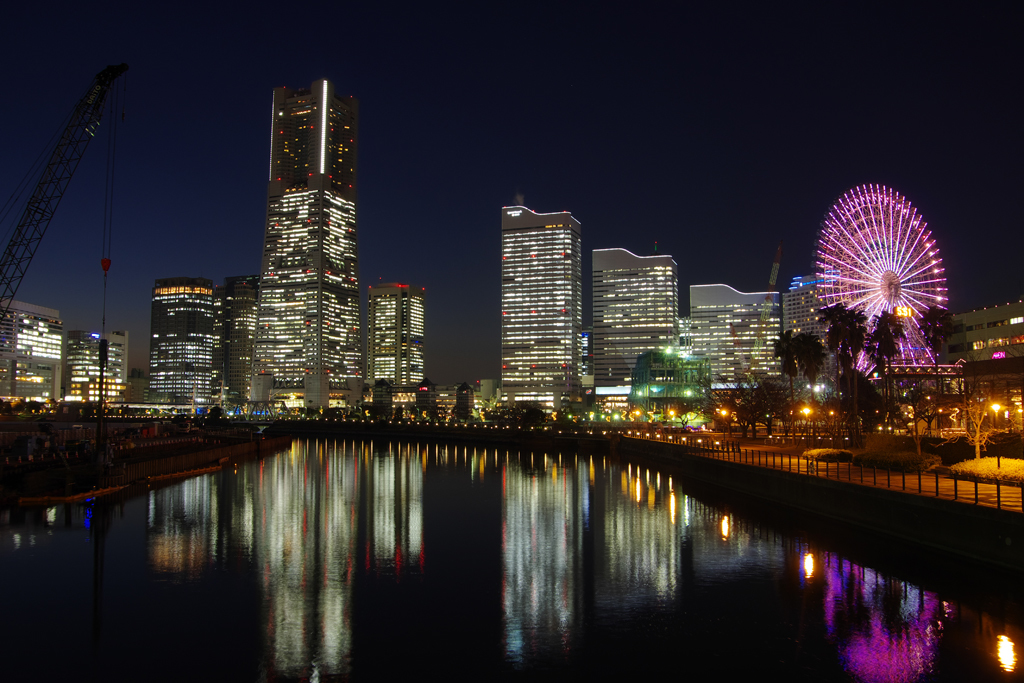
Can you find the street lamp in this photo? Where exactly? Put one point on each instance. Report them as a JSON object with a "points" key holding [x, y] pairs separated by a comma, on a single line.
{"points": [[807, 430], [995, 415]]}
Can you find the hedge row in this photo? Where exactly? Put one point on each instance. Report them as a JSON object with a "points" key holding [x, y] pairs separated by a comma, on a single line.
{"points": [[1007, 469], [829, 454], [900, 461]]}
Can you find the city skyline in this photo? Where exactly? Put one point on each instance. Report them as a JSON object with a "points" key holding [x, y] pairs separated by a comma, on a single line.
{"points": [[725, 143]]}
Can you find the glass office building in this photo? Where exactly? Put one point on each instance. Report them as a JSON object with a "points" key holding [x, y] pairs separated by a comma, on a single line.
{"points": [[541, 306]]}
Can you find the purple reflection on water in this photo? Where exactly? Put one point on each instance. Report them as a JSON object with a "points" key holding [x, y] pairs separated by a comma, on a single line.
{"points": [[885, 630]]}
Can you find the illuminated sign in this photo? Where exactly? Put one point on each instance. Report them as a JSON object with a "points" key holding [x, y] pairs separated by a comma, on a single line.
{"points": [[904, 311], [514, 213], [998, 354]]}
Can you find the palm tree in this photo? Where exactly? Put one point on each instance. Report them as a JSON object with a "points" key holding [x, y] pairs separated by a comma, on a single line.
{"points": [[786, 353], [835, 319], [810, 355], [936, 326], [882, 345], [856, 338]]}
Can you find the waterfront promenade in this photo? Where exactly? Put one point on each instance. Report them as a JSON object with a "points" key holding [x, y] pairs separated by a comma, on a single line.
{"points": [[936, 483]]}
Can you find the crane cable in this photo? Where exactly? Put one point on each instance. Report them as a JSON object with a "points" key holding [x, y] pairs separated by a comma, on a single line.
{"points": [[116, 102]]}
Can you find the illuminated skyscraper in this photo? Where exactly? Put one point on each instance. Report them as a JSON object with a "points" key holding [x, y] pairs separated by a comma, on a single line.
{"points": [[801, 307], [82, 366], [636, 309], [395, 333], [31, 350], [308, 334], [181, 340], [541, 306], [725, 325], [234, 331]]}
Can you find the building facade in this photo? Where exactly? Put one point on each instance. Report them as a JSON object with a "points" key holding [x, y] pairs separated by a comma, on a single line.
{"points": [[31, 352], [724, 328], [541, 306], [801, 307], [308, 330], [181, 341], [82, 366], [234, 334], [636, 310], [994, 332], [396, 333]]}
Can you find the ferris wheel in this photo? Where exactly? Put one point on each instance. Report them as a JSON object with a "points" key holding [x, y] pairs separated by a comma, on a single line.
{"points": [[876, 254]]}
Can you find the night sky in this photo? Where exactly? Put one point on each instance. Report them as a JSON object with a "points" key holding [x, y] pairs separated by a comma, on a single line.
{"points": [[714, 130]]}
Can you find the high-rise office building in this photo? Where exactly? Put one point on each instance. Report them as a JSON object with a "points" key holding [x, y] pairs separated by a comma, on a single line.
{"points": [[308, 330], [31, 352], [725, 325], [541, 306], [396, 333], [636, 309], [801, 307], [82, 366], [234, 334], [181, 340]]}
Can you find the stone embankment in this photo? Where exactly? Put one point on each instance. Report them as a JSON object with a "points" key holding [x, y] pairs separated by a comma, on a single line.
{"points": [[984, 534], [59, 484]]}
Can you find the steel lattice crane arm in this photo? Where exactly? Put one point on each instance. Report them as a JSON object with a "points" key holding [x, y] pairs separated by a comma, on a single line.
{"points": [[39, 210]]}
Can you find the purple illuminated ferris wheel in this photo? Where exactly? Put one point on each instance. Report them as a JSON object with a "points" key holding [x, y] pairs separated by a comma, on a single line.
{"points": [[876, 254]]}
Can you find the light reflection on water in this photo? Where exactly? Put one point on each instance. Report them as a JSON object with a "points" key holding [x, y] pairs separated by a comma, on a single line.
{"points": [[587, 548]]}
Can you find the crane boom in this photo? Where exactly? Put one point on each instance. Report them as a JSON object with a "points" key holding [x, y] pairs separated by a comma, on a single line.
{"points": [[39, 210]]}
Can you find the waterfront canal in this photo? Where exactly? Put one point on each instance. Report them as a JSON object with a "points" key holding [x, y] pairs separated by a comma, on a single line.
{"points": [[347, 559]]}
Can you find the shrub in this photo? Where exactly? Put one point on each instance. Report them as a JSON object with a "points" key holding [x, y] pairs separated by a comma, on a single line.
{"points": [[1009, 469], [829, 455], [900, 461], [888, 443]]}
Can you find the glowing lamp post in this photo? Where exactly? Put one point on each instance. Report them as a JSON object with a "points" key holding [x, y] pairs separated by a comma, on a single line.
{"points": [[728, 422], [807, 425], [995, 417]]}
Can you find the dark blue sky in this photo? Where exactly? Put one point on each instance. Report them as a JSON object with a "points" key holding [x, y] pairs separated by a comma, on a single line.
{"points": [[715, 130]]}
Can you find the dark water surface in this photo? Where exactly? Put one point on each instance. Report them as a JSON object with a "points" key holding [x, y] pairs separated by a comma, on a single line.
{"points": [[339, 560]]}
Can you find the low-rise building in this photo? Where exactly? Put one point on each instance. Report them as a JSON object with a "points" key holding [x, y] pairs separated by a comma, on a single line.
{"points": [[988, 333]]}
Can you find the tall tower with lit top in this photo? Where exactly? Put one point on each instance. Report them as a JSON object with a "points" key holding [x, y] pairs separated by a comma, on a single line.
{"points": [[308, 329]]}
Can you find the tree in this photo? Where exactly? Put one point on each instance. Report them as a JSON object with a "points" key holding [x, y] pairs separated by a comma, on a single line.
{"points": [[846, 336], [919, 405], [979, 424], [785, 351], [810, 356], [936, 325], [883, 345]]}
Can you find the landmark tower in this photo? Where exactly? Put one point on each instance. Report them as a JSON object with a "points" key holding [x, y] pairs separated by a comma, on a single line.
{"points": [[308, 329]]}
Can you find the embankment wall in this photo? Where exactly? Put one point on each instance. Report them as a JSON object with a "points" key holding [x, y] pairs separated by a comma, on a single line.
{"points": [[984, 534]]}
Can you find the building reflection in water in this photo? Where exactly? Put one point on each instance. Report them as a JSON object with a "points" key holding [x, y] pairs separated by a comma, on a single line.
{"points": [[541, 545], [637, 561], [582, 541], [886, 629], [295, 519]]}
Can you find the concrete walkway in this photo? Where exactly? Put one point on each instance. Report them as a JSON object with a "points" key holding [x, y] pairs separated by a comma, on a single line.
{"points": [[756, 453]]}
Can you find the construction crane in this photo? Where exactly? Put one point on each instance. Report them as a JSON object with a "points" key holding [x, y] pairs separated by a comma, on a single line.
{"points": [[81, 128], [766, 307]]}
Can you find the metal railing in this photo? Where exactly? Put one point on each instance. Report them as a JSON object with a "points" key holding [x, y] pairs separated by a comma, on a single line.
{"points": [[1002, 495]]}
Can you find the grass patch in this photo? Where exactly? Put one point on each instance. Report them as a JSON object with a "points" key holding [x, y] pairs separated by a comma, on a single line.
{"points": [[1009, 470], [829, 454], [899, 461]]}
